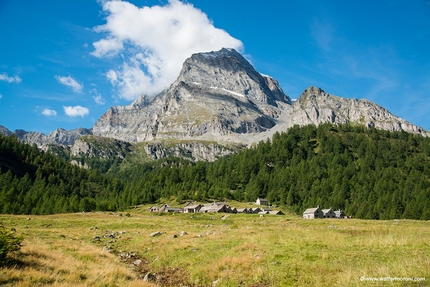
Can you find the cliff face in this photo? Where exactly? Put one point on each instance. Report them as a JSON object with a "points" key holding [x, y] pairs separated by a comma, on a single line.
{"points": [[219, 98], [59, 136], [316, 106], [217, 95]]}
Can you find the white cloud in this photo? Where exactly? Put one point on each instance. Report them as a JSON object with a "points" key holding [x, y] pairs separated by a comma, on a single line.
{"points": [[97, 97], [154, 42], [49, 113], [99, 100], [13, 79], [71, 83], [76, 111], [1, 96]]}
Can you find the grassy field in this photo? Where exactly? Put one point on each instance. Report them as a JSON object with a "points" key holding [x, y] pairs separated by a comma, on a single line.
{"points": [[110, 249]]}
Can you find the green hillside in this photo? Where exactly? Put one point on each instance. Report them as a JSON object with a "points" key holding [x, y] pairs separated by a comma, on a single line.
{"points": [[368, 173], [35, 182]]}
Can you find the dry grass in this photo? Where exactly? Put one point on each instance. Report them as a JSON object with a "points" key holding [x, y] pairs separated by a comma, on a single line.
{"points": [[240, 250]]}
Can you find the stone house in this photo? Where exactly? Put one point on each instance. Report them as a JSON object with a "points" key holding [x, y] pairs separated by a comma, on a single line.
{"points": [[254, 210], [242, 210], [312, 213], [192, 207], [339, 213], [214, 208], [167, 208], [153, 208], [233, 210], [262, 201], [329, 213], [276, 212]]}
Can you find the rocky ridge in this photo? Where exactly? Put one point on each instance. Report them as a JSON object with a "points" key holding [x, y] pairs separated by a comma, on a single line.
{"points": [[59, 136], [219, 98], [315, 106], [217, 95]]}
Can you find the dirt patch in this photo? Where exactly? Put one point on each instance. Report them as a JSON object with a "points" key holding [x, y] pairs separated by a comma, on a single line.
{"points": [[166, 277]]}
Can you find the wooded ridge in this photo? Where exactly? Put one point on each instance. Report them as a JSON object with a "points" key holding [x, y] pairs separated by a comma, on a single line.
{"points": [[366, 172]]}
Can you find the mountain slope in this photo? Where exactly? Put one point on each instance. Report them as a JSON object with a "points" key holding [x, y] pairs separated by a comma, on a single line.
{"points": [[316, 106], [219, 96], [59, 136]]}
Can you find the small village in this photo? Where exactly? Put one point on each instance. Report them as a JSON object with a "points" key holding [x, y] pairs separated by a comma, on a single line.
{"points": [[317, 212], [262, 207], [218, 207]]}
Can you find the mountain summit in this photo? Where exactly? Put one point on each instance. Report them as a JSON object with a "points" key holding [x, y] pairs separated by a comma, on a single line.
{"points": [[217, 96], [220, 97]]}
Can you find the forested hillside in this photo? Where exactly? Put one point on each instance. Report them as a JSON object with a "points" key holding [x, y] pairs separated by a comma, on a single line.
{"points": [[35, 182], [369, 173]]}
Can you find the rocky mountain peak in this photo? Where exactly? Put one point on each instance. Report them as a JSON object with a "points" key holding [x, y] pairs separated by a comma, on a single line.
{"points": [[315, 106], [59, 136], [312, 91], [216, 96], [220, 98], [227, 69]]}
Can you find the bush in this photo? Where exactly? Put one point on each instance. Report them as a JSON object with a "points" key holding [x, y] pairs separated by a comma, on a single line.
{"points": [[8, 243]]}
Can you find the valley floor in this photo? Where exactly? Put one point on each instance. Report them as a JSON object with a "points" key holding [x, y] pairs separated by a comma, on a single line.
{"points": [[111, 249]]}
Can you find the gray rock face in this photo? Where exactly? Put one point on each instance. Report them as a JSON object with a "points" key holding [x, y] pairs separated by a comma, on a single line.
{"points": [[216, 95], [59, 136], [316, 106], [4, 131], [100, 147], [65, 137], [195, 151], [219, 96]]}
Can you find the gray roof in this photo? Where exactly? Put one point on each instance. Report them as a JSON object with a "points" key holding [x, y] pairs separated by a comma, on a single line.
{"points": [[311, 210], [211, 208], [327, 210], [276, 212], [194, 206]]}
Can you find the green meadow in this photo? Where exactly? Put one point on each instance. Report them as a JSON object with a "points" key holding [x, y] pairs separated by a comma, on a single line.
{"points": [[117, 249]]}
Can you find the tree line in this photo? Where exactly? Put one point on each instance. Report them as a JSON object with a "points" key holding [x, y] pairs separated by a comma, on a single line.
{"points": [[37, 182], [369, 173]]}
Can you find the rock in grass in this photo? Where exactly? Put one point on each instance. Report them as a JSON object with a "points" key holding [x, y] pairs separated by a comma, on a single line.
{"points": [[156, 233], [149, 277]]}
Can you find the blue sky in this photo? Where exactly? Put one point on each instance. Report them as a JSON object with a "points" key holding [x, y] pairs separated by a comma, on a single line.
{"points": [[64, 63]]}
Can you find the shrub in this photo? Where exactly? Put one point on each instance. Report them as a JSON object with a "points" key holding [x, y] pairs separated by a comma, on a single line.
{"points": [[8, 243]]}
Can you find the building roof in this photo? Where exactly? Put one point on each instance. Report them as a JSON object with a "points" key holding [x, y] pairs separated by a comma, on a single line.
{"points": [[276, 212], [311, 210], [174, 209], [266, 209], [194, 206], [211, 208], [327, 210], [242, 209], [262, 200]]}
